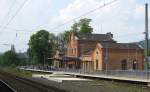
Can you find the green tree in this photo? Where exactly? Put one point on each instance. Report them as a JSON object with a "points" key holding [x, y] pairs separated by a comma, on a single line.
{"points": [[40, 47], [1, 59], [74, 28], [80, 27], [30, 56], [23, 58], [66, 36], [84, 26], [10, 58]]}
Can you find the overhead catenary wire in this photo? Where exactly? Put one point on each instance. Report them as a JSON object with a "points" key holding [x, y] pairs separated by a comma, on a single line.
{"points": [[86, 13], [71, 19], [9, 11], [115, 36], [105, 4], [66, 23], [18, 10]]}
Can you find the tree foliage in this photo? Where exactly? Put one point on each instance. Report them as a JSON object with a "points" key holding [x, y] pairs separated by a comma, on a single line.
{"points": [[80, 27], [10, 58], [40, 47], [84, 26]]}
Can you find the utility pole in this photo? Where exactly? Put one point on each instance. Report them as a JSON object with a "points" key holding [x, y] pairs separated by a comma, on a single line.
{"points": [[44, 58], [146, 36], [106, 59]]}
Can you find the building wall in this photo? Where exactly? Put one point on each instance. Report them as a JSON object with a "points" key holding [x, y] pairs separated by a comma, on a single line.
{"points": [[72, 47], [86, 58], [85, 45], [116, 57], [87, 64], [76, 47], [56, 62], [97, 59]]}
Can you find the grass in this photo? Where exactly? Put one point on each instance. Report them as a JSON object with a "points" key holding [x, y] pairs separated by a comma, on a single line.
{"points": [[21, 73], [18, 72], [123, 87]]}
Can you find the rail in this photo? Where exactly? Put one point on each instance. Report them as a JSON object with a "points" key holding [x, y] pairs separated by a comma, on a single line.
{"points": [[5, 87], [28, 83]]}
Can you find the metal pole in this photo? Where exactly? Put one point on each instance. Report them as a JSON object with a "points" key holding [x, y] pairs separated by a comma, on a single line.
{"points": [[146, 39], [106, 59], [44, 59], [146, 35]]}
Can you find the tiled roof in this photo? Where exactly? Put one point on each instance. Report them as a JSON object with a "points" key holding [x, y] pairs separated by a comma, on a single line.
{"points": [[88, 52], [121, 45], [95, 37]]}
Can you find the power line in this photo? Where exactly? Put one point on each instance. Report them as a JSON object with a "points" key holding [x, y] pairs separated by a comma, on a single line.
{"points": [[17, 30], [105, 4], [22, 5], [8, 13], [122, 35]]}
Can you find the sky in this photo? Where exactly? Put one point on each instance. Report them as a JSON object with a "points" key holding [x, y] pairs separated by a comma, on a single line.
{"points": [[123, 18]]}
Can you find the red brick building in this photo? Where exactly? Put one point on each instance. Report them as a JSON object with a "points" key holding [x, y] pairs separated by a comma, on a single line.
{"points": [[100, 52]]}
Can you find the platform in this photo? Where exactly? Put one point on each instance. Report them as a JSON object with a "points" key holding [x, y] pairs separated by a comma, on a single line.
{"points": [[57, 77], [100, 76]]}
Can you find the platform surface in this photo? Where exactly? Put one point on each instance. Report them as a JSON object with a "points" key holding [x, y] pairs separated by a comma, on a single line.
{"points": [[97, 76]]}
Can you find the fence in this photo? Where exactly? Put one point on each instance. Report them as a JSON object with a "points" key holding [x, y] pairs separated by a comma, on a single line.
{"points": [[139, 74]]}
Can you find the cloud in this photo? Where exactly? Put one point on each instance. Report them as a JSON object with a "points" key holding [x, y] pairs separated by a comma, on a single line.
{"points": [[121, 17], [124, 18], [29, 18]]}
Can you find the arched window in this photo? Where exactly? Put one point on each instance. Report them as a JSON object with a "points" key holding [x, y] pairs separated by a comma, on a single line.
{"points": [[96, 63], [124, 64], [134, 65]]}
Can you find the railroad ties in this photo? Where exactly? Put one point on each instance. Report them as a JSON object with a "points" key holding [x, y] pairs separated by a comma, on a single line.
{"points": [[21, 84]]}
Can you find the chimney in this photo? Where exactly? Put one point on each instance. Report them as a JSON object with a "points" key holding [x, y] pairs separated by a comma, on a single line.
{"points": [[109, 34]]}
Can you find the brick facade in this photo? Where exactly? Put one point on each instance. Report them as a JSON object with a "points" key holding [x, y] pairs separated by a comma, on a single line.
{"points": [[92, 53]]}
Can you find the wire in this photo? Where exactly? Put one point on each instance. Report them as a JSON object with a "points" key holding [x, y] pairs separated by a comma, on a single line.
{"points": [[8, 13], [105, 4], [19, 9], [60, 24], [5, 44], [18, 30]]}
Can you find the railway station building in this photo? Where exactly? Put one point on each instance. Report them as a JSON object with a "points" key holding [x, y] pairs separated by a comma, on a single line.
{"points": [[91, 52]]}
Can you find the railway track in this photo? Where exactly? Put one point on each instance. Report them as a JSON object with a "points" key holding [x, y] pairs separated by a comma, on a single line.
{"points": [[21, 84], [5, 87]]}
